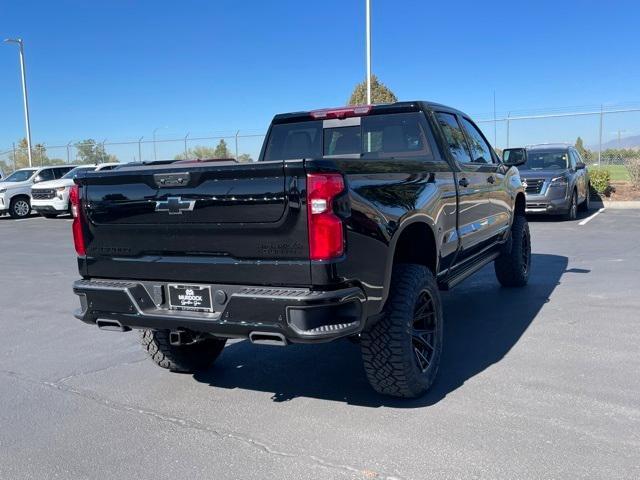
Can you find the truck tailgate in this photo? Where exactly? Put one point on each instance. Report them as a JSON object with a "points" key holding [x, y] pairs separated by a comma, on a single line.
{"points": [[222, 222]]}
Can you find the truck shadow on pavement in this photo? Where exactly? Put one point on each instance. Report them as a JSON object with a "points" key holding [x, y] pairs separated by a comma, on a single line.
{"points": [[483, 321]]}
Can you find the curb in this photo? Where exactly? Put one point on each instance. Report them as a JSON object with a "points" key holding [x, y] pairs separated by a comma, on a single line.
{"points": [[632, 204]]}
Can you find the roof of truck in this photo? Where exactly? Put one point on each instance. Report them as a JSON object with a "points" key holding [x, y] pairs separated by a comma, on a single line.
{"points": [[404, 106]]}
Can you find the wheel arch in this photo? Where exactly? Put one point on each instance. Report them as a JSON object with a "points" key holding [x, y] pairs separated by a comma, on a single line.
{"points": [[17, 196], [413, 242], [520, 204]]}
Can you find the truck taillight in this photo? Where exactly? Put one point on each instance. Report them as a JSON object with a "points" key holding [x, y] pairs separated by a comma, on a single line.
{"points": [[78, 235], [326, 238]]}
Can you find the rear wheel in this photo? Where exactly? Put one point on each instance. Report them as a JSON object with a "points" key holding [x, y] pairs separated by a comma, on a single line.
{"points": [[401, 352], [181, 358], [572, 213], [513, 265], [19, 207]]}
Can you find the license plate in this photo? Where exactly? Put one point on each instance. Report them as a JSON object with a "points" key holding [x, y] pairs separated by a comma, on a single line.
{"points": [[193, 298]]}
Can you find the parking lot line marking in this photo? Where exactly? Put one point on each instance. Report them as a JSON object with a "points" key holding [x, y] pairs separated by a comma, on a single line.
{"points": [[591, 217]]}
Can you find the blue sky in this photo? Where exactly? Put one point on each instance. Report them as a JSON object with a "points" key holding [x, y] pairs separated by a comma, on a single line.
{"points": [[118, 69]]}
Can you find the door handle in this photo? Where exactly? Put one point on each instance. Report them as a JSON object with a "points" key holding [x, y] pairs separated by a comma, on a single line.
{"points": [[491, 179], [463, 182]]}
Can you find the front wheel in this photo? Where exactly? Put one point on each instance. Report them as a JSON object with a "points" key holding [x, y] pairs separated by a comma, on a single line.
{"points": [[572, 213], [180, 358], [513, 265], [401, 351], [19, 208]]}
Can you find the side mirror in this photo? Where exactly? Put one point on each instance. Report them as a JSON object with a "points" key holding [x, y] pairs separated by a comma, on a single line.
{"points": [[580, 166], [512, 157], [37, 179]]}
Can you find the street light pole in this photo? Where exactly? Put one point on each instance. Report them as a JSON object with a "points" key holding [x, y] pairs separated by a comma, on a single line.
{"points": [[24, 92], [368, 51]]}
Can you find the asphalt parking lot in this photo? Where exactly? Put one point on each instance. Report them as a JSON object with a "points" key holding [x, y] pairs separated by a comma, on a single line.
{"points": [[542, 382]]}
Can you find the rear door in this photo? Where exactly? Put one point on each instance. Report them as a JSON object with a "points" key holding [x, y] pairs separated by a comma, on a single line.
{"points": [[473, 189]]}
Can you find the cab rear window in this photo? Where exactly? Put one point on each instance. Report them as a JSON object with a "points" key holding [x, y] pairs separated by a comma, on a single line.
{"points": [[377, 136]]}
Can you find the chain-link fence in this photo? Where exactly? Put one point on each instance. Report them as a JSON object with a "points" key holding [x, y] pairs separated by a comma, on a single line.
{"points": [[606, 132], [242, 145]]}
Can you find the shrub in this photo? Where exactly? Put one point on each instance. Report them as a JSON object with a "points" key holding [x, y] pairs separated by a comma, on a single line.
{"points": [[600, 180], [633, 167]]}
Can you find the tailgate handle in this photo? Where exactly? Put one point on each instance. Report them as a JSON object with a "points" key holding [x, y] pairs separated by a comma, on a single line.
{"points": [[171, 179]]}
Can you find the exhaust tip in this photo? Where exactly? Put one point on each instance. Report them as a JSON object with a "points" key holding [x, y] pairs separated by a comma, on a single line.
{"points": [[268, 338], [112, 326]]}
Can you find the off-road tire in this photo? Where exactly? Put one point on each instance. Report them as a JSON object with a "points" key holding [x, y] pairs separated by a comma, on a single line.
{"points": [[387, 346], [17, 208], [586, 204], [514, 263], [573, 207], [180, 358]]}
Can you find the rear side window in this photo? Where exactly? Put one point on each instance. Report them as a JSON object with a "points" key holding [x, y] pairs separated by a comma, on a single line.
{"points": [[45, 175], [60, 172], [398, 134], [295, 140], [454, 137]]}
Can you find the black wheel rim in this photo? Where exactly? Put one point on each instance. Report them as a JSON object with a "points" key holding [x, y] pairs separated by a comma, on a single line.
{"points": [[423, 330], [573, 206]]}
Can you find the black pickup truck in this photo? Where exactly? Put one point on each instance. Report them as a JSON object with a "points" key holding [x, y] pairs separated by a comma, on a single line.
{"points": [[349, 224]]}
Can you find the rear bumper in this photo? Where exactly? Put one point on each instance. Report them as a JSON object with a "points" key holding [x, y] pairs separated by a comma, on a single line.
{"points": [[299, 315]]}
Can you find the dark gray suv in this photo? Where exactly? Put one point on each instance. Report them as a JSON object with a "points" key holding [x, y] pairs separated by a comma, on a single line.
{"points": [[556, 180]]}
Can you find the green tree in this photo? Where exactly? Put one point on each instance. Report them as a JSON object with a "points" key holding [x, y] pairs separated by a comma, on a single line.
{"points": [[380, 93], [584, 153], [222, 151], [244, 158], [202, 152], [91, 152], [19, 157]]}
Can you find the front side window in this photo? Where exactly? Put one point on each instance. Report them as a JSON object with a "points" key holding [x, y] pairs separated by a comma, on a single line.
{"points": [[454, 137], [573, 160], [480, 149]]}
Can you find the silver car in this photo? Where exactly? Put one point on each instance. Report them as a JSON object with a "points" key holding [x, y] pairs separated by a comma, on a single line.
{"points": [[556, 180]]}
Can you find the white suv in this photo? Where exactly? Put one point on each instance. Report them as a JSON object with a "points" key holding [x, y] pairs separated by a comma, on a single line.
{"points": [[15, 190], [51, 198]]}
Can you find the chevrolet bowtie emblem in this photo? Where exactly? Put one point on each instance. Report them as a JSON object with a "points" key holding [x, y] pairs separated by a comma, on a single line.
{"points": [[175, 205]]}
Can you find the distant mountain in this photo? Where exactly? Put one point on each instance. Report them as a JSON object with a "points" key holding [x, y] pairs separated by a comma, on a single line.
{"points": [[632, 142]]}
